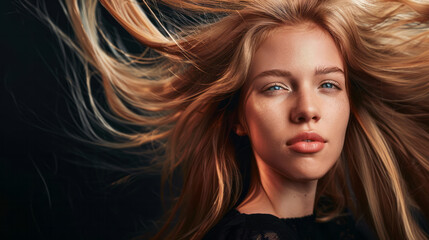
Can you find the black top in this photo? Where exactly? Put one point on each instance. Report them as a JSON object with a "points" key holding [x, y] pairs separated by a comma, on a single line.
{"points": [[238, 226]]}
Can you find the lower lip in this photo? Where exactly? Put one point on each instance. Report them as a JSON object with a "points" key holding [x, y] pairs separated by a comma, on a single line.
{"points": [[307, 147]]}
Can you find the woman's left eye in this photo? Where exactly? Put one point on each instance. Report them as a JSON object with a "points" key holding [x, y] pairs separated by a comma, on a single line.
{"points": [[328, 85]]}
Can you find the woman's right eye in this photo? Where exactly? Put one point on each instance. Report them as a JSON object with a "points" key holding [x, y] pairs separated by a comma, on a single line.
{"points": [[274, 88]]}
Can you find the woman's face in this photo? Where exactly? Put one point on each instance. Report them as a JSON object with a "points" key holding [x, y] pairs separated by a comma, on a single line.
{"points": [[297, 110]]}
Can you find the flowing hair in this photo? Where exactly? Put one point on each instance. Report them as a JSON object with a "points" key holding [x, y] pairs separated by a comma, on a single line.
{"points": [[188, 89]]}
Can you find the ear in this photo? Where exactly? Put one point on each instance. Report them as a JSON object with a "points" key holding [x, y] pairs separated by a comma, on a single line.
{"points": [[239, 130]]}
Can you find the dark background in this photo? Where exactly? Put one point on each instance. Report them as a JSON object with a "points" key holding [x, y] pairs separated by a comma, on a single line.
{"points": [[52, 186]]}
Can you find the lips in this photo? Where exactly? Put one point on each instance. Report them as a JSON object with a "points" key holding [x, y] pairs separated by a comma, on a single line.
{"points": [[306, 142]]}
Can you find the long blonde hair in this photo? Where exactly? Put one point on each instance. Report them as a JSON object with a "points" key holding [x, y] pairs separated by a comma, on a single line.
{"points": [[188, 88]]}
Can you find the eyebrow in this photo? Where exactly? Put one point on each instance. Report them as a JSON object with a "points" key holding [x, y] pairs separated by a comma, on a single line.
{"points": [[287, 74], [275, 73], [327, 70]]}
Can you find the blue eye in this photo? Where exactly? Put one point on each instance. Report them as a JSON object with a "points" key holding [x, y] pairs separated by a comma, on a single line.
{"points": [[274, 88], [328, 85]]}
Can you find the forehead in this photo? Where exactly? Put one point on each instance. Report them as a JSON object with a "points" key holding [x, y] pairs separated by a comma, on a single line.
{"points": [[300, 48]]}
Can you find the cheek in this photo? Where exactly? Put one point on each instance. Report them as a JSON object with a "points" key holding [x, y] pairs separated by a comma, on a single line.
{"points": [[344, 114], [338, 118], [258, 120], [266, 124]]}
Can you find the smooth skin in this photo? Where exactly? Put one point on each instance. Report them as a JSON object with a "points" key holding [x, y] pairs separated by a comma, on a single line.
{"points": [[297, 85]]}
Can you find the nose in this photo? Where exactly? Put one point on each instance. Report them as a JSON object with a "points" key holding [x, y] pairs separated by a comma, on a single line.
{"points": [[305, 108]]}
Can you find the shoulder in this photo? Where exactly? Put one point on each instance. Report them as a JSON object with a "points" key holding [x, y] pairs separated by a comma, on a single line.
{"points": [[238, 226], [346, 228], [230, 227]]}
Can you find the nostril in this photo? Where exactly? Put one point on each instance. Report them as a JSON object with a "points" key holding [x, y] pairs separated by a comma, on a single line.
{"points": [[305, 116]]}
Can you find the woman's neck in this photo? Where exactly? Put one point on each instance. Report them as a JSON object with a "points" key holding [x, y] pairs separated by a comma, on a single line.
{"points": [[279, 196]]}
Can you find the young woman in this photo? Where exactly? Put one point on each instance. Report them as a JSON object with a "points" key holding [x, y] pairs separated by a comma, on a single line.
{"points": [[326, 101]]}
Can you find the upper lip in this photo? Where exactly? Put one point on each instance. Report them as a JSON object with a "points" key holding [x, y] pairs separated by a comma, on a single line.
{"points": [[305, 136]]}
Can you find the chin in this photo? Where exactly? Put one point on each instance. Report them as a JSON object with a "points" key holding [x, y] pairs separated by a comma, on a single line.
{"points": [[306, 175]]}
